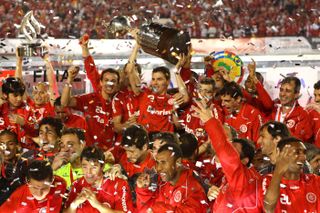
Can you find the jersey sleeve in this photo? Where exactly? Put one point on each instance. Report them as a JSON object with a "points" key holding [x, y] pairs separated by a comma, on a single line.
{"points": [[92, 73], [235, 172], [303, 128]]}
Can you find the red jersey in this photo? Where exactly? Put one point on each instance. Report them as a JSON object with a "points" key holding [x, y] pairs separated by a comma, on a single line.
{"points": [[156, 111], [186, 196], [36, 114], [22, 201], [247, 122], [92, 73], [5, 111], [195, 126], [132, 168], [262, 101], [297, 195], [114, 194], [126, 104], [315, 118], [75, 121], [240, 192], [209, 171], [98, 115], [297, 121]]}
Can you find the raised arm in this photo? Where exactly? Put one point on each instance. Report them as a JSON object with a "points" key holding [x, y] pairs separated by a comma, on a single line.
{"points": [[18, 72], [272, 193], [234, 170], [133, 75], [89, 65], [183, 96], [53, 87], [66, 99]]}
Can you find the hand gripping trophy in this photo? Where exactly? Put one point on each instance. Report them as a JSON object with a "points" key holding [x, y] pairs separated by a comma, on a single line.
{"points": [[155, 39], [30, 29]]}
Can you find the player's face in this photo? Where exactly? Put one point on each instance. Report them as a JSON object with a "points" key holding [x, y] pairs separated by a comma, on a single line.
{"points": [[287, 95], [166, 166], [297, 164], [267, 142], [15, 100], [109, 83], [159, 83], [134, 154], [10, 147], [71, 144], [48, 137], [249, 85], [39, 189], [315, 164], [316, 93], [61, 112], [206, 91], [229, 103], [40, 94], [218, 79], [92, 170]]}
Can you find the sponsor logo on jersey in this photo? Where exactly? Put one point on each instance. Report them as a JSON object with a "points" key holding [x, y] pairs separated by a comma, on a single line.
{"points": [[177, 196]]}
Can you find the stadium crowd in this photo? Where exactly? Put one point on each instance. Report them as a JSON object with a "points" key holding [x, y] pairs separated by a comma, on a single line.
{"points": [[201, 18]]}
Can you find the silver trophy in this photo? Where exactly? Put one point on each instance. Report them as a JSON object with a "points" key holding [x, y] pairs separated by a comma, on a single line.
{"points": [[30, 29], [155, 39]]}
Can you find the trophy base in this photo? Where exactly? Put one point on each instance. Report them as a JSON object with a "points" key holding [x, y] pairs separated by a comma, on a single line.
{"points": [[30, 50]]}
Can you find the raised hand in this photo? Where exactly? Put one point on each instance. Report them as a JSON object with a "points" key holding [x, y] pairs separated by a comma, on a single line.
{"points": [[143, 180], [252, 71], [284, 158], [115, 172], [72, 73], [202, 111], [213, 192]]}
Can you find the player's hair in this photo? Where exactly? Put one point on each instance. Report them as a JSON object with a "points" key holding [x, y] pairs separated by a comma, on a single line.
{"points": [[93, 153], [208, 81], [316, 85], [112, 71], [74, 131], [247, 149], [189, 144], [10, 133], [173, 148], [53, 122], [232, 89], [297, 82], [135, 135], [167, 137], [39, 170], [13, 85], [286, 141], [164, 70], [276, 128]]}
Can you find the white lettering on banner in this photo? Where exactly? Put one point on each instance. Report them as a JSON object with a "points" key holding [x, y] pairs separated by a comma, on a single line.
{"points": [[123, 199], [284, 199], [158, 112]]}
